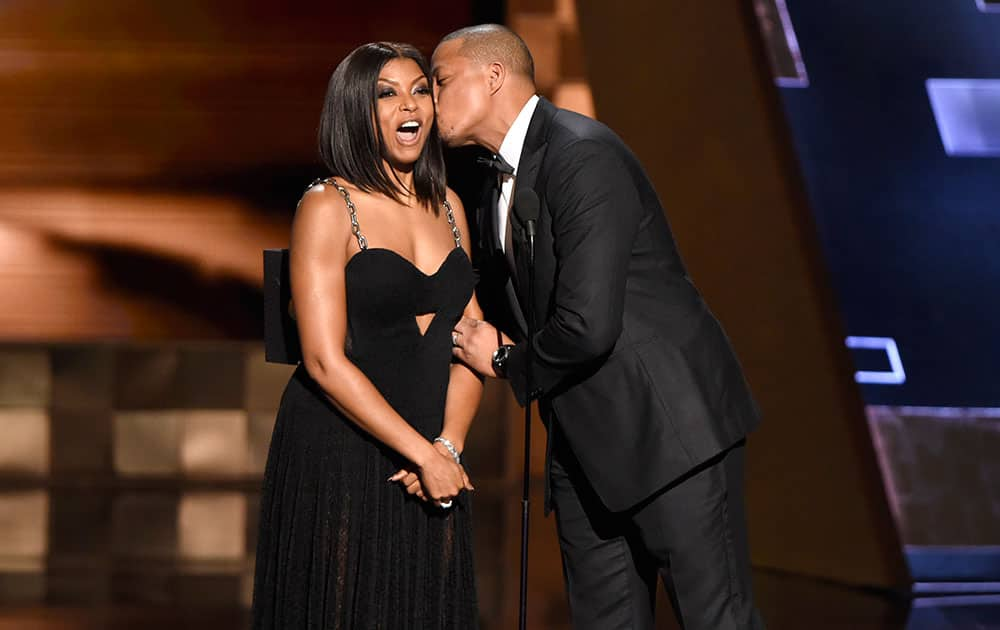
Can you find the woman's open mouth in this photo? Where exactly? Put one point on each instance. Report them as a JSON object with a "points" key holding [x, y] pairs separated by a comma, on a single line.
{"points": [[408, 133]]}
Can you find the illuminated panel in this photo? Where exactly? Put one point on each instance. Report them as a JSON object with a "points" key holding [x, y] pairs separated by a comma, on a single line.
{"points": [[989, 6], [894, 376], [782, 46], [968, 115]]}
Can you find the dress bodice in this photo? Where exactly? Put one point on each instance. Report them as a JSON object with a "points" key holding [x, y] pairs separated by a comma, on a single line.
{"points": [[385, 294]]}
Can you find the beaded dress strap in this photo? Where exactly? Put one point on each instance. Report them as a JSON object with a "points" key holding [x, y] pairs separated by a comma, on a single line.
{"points": [[455, 233], [352, 209]]}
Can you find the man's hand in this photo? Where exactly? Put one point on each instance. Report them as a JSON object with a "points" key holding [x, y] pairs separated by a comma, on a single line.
{"points": [[474, 343]]}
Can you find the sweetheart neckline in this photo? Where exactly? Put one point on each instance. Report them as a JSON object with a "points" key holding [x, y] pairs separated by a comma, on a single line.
{"points": [[406, 260]]}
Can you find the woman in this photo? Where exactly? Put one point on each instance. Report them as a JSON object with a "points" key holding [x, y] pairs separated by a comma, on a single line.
{"points": [[364, 522]]}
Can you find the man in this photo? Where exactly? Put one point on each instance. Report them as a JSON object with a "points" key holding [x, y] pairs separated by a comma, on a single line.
{"points": [[645, 403]]}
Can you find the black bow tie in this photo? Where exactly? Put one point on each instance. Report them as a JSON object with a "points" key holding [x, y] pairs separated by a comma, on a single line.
{"points": [[496, 163]]}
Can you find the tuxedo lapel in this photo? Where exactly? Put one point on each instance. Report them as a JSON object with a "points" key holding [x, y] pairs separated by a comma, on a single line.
{"points": [[532, 155], [529, 164], [493, 260], [515, 307], [486, 217]]}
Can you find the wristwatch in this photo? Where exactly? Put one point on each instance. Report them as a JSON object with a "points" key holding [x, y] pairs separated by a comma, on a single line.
{"points": [[500, 360]]}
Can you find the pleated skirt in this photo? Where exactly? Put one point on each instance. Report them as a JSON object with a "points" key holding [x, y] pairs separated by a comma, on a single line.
{"points": [[341, 548]]}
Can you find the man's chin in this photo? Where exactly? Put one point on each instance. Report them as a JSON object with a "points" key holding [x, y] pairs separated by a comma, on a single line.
{"points": [[452, 140], [455, 142]]}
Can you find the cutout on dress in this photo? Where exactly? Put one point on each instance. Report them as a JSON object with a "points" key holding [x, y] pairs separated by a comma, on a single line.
{"points": [[424, 322]]}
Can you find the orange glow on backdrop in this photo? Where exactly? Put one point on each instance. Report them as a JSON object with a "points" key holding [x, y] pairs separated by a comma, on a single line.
{"points": [[149, 151]]}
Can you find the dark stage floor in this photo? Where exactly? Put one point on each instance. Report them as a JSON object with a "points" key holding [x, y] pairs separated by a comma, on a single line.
{"points": [[787, 602]]}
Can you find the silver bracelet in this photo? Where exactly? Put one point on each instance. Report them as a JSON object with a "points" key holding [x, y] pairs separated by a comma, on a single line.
{"points": [[451, 449]]}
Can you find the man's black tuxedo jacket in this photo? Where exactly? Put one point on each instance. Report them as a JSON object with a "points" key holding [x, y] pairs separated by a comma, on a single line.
{"points": [[629, 362]]}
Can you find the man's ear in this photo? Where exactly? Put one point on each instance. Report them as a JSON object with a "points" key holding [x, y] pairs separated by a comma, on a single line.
{"points": [[496, 74]]}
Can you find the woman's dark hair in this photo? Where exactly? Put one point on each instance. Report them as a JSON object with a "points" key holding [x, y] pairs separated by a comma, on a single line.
{"points": [[350, 140]]}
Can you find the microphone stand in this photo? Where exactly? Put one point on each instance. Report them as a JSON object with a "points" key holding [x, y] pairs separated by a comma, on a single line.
{"points": [[529, 386]]}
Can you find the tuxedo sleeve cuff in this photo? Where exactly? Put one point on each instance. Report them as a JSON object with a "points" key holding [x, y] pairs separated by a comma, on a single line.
{"points": [[517, 363]]}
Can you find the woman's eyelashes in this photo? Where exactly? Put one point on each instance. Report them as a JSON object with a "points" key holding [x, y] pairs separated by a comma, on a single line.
{"points": [[422, 89]]}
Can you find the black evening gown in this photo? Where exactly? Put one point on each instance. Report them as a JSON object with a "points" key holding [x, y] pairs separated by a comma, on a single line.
{"points": [[339, 547]]}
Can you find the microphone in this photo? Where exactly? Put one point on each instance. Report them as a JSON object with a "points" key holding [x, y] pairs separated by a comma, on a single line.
{"points": [[526, 209]]}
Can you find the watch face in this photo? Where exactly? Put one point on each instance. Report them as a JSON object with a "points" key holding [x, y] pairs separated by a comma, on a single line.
{"points": [[500, 358]]}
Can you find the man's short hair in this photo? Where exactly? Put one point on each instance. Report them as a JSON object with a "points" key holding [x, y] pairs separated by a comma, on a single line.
{"points": [[486, 43]]}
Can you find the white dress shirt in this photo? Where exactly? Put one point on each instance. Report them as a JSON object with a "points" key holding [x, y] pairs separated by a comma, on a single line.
{"points": [[510, 150]]}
